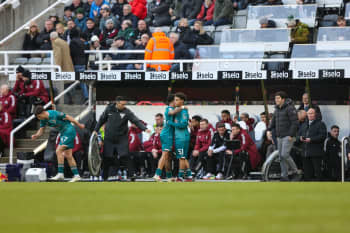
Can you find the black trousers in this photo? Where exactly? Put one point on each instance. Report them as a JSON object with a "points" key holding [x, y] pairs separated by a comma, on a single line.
{"points": [[312, 168], [196, 163], [152, 163], [333, 167], [240, 165], [25, 104], [216, 162]]}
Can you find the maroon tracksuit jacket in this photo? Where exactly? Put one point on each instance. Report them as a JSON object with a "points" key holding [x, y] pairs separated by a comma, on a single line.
{"points": [[8, 103], [35, 88], [5, 127], [153, 143], [203, 140], [135, 144]]}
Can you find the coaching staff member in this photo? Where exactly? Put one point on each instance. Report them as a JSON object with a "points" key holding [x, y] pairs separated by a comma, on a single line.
{"points": [[116, 117]]}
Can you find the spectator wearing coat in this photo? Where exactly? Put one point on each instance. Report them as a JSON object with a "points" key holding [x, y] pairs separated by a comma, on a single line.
{"points": [[299, 32], [108, 34], [139, 8], [91, 29], [106, 15], [126, 30], [142, 28], [181, 51], [332, 148], [96, 7], [80, 19], [223, 12], [190, 10], [121, 44], [117, 9], [30, 38], [207, 12], [43, 39], [76, 4], [61, 53], [312, 136], [127, 14], [158, 13]]}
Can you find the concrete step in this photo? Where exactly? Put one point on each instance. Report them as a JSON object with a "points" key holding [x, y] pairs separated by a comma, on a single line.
{"points": [[15, 150], [29, 134], [28, 143]]}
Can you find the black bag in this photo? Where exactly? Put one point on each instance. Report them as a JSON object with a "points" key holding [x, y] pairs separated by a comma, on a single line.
{"points": [[25, 155], [14, 172]]}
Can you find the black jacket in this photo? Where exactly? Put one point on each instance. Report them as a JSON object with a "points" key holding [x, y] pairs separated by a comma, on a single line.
{"points": [[181, 51], [30, 43], [117, 122], [192, 38], [332, 149], [139, 33], [77, 51], [159, 14], [92, 32], [218, 141], [285, 120], [191, 8], [317, 132], [123, 56], [43, 40]]}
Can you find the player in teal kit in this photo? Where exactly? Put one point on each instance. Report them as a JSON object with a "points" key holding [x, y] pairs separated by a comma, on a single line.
{"points": [[167, 139], [182, 137], [62, 123]]}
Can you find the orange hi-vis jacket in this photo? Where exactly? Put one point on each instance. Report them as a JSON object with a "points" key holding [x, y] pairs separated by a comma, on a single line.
{"points": [[159, 47]]}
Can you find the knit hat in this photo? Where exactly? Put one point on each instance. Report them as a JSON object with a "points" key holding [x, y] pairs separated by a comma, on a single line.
{"points": [[80, 11], [27, 74], [20, 69], [108, 21]]}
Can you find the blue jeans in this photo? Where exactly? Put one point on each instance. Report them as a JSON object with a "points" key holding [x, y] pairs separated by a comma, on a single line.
{"points": [[83, 86], [222, 21]]}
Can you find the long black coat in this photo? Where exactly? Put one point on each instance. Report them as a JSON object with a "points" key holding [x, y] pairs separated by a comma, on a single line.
{"points": [[317, 132]]}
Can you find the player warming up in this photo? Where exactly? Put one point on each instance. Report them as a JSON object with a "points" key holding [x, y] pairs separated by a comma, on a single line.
{"points": [[62, 123], [167, 139], [182, 137]]}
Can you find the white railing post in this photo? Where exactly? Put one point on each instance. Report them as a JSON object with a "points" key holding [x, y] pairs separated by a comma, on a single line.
{"points": [[343, 154], [6, 62]]}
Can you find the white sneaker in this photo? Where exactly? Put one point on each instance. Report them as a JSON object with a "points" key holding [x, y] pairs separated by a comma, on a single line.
{"points": [[57, 177], [219, 176], [75, 179], [157, 178], [207, 176]]}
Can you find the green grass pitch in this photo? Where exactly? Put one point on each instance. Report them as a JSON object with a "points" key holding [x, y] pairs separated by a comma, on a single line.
{"points": [[174, 207]]}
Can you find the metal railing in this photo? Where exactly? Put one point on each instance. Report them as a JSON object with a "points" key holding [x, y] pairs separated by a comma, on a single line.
{"points": [[29, 119], [344, 142], [7, 64], [24, 26]]}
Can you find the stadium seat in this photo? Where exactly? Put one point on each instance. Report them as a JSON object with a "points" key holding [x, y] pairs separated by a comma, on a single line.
{"points": [[165, 29], [20, 61], [46, 61], [209, 28], [217, 37], [34, 61], [223, 27], [329, 20]]}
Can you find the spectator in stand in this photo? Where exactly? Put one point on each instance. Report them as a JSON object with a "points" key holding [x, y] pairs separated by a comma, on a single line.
{"points": [[127, 15], [144, 40], [80, 19], [121, 44], [153, 146], [285, 125], [175, 10], [181, 51], [139, 8], [54, 19], [106, 15], [250, 122], [306, 106], [30, 38], [260, 129], [87, 7], [267, 23], [158, 13], [196, 36], [207, 12], [60, 30], [299, 31], [94, 45], [312, 136], [159, 47], [96, 7], [68, 15], [70, 25], [126, 30], [5, 129], [273, 2], [91, 29], [200, 152], [142, 28], [76, 4], [61, 53], [341, 22], [135, 147], [117, 9], [77, 52], [240, 4], [223, 12], [183, 28], [216, 154], [108, 34], [226, 119], [333, 155], [43, 40], [248, 147], [8, 101], [190, 10]]}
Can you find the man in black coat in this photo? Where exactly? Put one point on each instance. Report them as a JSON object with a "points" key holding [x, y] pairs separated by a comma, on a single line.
{"points": [[116, 117], [305, 106], [180, 49], [312, 136], [158, 13], [121, 44], [333, 155], [43, 40], [285, 125]]}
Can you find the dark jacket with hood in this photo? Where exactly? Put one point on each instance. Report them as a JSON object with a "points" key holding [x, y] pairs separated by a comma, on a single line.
{"points": [[159, 14], [223, 10], [285, 120], [191, 8]]}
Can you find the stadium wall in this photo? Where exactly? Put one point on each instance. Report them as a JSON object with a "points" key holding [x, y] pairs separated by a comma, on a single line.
{"points": [[332, 114]]}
